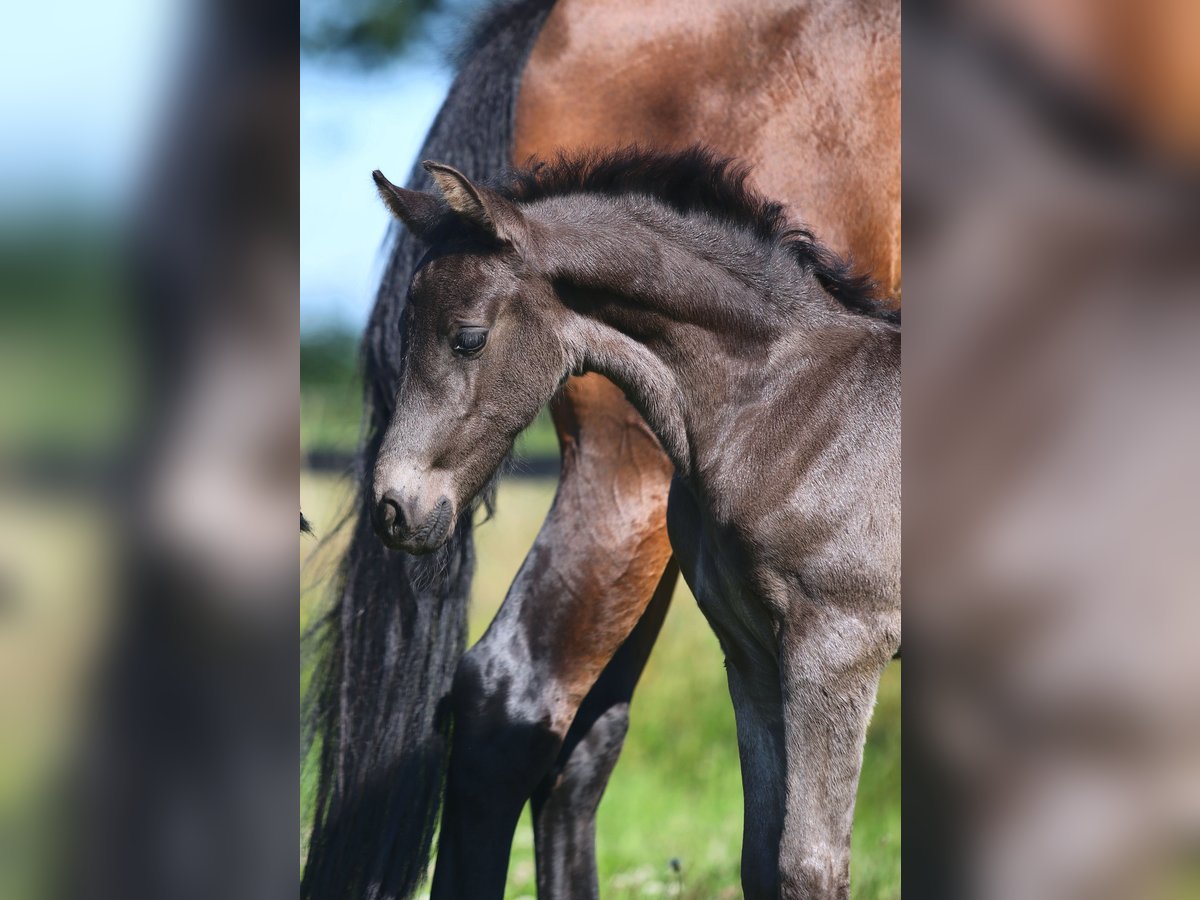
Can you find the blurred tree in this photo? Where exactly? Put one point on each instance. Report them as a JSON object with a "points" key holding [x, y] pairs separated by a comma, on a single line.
{"points": [[369, 33]]}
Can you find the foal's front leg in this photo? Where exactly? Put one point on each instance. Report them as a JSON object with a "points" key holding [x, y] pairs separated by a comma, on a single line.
{"points": [[752, 669], [760, 733], [831, 663]]}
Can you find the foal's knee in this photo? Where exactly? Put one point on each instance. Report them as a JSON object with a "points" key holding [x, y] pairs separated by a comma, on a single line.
{"points": [[502, 728], [814, 875]]}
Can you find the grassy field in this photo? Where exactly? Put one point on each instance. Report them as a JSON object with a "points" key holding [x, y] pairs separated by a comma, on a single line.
{"points": [[676, 792], [331, 399]]}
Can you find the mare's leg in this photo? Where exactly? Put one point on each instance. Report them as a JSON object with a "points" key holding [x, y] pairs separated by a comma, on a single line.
{"points": [[586, 583], [831, 664], [564, 804]]}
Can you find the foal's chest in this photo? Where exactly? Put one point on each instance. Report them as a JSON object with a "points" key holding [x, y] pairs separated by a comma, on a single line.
{"points": [[723, 576]]}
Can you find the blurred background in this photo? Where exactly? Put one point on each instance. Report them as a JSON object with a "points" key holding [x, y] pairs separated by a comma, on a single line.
{"points": [[1052, 272], [74, 151], [148, 421]]}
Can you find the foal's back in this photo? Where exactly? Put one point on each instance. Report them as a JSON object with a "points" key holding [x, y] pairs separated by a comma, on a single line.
{"points": [[806, 92]]}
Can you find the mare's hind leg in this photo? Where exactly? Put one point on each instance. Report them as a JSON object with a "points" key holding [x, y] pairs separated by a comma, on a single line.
{"points": [[564, 804], [586, 583], [831, 664]]}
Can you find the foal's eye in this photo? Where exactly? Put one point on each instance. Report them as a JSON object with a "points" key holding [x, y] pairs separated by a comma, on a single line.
{"points": [[469, 341]]}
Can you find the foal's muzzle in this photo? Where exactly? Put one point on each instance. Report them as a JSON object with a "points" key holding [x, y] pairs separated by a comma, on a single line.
{"points": [[403, 526]]}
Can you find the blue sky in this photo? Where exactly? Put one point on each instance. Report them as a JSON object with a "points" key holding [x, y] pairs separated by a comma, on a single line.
{"points": [[80, 103], [350, 124], [77, 136]]}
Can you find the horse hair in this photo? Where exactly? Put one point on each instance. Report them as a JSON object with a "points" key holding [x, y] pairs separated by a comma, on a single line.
{"points": [[376, 725], [692, 180]]}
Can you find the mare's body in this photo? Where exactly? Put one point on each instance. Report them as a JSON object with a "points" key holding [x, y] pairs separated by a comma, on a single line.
{"points": [[807, 93], [771, 380]]}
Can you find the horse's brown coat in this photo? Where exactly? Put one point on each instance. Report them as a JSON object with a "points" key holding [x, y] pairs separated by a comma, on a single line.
{"points": [[808, 93]]}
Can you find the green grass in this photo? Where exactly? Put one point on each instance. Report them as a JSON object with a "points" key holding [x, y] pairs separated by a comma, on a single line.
{"points": [[331, 399], [330, 422], [676, 792], [68, 349]]}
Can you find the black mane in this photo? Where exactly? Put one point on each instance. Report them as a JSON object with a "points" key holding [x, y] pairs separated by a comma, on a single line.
{"points": [[697, 180], [377, 724]]}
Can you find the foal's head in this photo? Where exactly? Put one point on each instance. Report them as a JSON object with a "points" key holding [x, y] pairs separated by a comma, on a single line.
{"points": [[514, 293], [483, 355]]}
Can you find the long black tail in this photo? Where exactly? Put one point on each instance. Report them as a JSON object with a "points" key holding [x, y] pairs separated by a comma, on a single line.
{"points": [[377, 724]]}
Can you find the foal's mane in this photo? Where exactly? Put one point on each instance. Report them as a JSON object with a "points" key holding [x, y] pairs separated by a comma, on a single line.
{"points": [[697, 180]]}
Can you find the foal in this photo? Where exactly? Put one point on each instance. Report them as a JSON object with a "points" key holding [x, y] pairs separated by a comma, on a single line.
{"points": [[771, 380]]}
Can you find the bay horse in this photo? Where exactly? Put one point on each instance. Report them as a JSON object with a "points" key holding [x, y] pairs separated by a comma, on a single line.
{"points": [[772, 382], [807, 93]]}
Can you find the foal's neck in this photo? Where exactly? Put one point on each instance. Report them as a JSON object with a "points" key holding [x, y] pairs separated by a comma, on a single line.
{"points": [[692, 318]]}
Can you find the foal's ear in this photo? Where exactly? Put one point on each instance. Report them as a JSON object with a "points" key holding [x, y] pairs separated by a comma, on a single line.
{"points": [[416, 210], [493, 214]]}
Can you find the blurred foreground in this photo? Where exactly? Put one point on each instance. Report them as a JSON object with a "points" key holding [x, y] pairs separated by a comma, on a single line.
{"points": [[1052, 270]]}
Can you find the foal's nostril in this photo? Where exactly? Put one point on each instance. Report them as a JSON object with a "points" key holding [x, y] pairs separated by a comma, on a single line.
{"points": [[404, 524], [391, 516]]}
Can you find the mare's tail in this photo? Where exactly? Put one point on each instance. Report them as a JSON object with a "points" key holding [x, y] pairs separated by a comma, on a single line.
{"points": [[385, 653]]}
